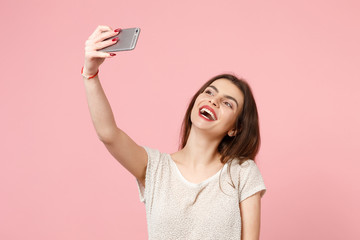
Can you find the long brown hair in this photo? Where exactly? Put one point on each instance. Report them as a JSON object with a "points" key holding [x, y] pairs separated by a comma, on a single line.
{"points": [[246, 143]]}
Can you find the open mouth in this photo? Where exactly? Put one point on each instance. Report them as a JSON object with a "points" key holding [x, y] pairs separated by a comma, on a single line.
{"points": [[207, 114]]}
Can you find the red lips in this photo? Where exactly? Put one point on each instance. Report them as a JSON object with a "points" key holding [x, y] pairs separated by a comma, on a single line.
{"points": [[210, 109]]}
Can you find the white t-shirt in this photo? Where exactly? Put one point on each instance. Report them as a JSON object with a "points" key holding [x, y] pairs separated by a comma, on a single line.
{"points": [[178, 209]]}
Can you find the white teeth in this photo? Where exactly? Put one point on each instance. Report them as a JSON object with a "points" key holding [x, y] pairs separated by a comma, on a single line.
{"points": [[205, 116], [209, 112]]}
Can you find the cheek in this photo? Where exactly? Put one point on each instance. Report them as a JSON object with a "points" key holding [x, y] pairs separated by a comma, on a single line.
{"points": [[193, 112], [196, 103], [230, 116], [199, 99]]}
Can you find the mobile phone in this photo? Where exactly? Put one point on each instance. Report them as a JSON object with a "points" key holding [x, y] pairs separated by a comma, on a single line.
{"points": [[127, 40]]}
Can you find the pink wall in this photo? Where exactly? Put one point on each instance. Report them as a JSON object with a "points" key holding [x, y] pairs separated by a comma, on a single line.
{"points": [[57, 181]]}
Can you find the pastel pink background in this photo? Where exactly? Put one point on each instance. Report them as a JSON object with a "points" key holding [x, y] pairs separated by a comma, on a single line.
{"points": [[57, 180]]}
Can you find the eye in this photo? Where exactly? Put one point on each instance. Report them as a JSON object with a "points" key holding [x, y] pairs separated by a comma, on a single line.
{"points": [[208, 92], [228, 104]]}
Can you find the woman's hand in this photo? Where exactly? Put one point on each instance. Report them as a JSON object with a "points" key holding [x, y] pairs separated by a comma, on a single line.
{"points": [[94, 58]]}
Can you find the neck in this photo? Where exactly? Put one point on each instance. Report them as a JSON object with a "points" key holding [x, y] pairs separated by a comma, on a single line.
{"points": [[200, 149]]}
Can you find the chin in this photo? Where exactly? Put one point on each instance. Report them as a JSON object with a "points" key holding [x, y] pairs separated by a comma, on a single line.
{"points": [[200, 123]]}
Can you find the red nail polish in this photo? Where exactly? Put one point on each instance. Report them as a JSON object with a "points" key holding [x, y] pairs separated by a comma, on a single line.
{"points": [[115, 39], [117, 30], [112, 54]]}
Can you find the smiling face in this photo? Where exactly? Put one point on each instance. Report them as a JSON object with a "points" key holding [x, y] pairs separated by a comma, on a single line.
{"points": [[217, 107]]}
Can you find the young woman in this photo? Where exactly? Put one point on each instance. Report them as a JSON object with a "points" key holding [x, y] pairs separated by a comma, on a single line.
{"points": [[209, 189]]}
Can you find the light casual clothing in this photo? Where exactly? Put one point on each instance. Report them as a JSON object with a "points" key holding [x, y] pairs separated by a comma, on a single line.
{"points": [[178, 209]]}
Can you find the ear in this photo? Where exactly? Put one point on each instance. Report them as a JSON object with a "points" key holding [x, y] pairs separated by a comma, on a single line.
{"points": [[232, 133]]}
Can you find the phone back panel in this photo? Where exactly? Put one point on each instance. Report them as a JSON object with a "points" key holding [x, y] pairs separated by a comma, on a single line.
{"points": [[127, 40]]}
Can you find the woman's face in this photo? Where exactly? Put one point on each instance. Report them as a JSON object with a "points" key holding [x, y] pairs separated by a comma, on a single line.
{"points": [[216, 109]]}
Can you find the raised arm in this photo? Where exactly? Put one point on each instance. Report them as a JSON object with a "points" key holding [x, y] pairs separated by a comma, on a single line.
{"points": [[132, 156]]}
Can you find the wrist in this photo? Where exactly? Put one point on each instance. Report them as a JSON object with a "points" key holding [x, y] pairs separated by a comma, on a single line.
{"points": [[90, 74]]}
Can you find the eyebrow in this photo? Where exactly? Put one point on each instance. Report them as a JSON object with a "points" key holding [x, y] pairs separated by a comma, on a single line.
{"points": [[226, 96]]}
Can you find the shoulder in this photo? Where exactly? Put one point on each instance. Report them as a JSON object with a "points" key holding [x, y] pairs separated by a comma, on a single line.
{"points": [[241, 166], [151, 151], [155, 156], [245, 170]]}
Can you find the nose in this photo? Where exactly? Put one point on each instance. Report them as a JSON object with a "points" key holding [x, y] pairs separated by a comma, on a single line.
{"points": [[213, 101]]}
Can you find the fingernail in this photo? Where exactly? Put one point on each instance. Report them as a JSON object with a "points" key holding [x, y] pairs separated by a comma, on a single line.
{"points": [[117, 30], [112, 54], [115, 39]]}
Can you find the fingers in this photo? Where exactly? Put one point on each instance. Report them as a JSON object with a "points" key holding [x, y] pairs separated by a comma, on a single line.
{"points": [[98, 54], [100, 29], [93, 57], [103, 32], [104, 35], [91, 49], [96, 42], [103, 44], [90, 45], [100, 34]]}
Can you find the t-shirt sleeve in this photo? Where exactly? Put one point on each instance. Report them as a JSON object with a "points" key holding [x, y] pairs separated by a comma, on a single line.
{"points": [[152, 165], [251, 180]]}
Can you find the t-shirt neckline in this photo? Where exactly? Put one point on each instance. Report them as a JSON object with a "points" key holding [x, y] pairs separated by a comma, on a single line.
{"points": [[191, 183]]}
